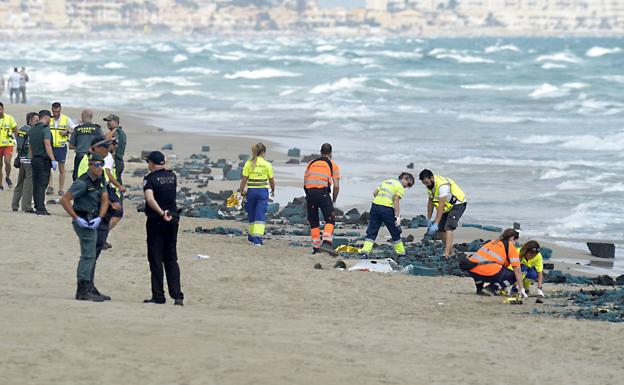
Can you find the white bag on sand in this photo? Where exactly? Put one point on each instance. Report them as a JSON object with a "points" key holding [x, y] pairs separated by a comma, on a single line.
{"points": [[377, 265]]}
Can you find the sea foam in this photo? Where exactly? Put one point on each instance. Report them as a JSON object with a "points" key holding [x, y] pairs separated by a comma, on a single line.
{"points": [[265, 73]]}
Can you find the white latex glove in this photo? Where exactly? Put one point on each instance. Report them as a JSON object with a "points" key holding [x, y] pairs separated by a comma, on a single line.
{"points": [[397, 221], [523, 293], [540, 293], [54, 165]]}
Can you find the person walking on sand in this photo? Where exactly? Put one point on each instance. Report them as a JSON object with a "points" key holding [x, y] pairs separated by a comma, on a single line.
{"points": [[257, 177], [490, 262], [41, 159], [8, 131], [80, 140], [61, 126], [23, 80], [24, 187], [13, 84], [449, 201], [90, 203], [159, 189], [319, 177], [386, 210], [117, 132]]}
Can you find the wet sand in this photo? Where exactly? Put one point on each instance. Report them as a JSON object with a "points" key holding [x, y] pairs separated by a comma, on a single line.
{"points": [[263, 315]]}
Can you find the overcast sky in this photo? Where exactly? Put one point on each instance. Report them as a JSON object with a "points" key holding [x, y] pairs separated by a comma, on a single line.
{"points": [[342, 3]]}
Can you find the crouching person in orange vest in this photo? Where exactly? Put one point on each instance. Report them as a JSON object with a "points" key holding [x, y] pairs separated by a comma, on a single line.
{"points": [[319, 177], [490, 263]]}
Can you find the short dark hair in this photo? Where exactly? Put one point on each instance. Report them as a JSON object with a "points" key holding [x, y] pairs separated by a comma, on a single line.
{"points": [[43, 113], [409, 177], [56, 105], [425, 174], [326, 149], [508, 234], [1, 105], [29, 116]]}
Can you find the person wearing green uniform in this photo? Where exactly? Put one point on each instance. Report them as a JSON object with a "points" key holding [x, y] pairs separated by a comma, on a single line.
{"points": [[386, 210], [81, 138], [118, 133], [24, 187], [89, 194]]}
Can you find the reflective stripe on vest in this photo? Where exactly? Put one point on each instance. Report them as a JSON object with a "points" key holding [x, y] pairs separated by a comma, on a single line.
{"points": [[59, 140], [457, 194], [321, 176]]}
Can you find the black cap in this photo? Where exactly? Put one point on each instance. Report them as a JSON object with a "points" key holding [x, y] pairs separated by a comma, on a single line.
{"points": [[112, 117], [156, 157]]}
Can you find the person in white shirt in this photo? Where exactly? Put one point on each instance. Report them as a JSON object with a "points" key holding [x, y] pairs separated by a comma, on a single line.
{"points": [[14, 86], [23, 80]]}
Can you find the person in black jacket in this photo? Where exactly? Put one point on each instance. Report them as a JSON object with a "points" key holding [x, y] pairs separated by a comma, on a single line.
{"points": [[159, 188]]}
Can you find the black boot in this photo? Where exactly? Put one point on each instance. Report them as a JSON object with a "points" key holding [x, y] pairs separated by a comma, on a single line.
{"points": [[85, 293], [95, 291]]}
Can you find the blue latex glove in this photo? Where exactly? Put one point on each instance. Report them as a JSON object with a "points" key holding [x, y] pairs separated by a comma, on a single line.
{"points": [[95, 223], [429, 223], [54, 165], [433, 229], [81, 222]]}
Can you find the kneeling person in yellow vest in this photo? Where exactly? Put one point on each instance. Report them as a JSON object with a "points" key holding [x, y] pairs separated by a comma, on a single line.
{"points": [[532, 265], [450, 203], [386, 210]]}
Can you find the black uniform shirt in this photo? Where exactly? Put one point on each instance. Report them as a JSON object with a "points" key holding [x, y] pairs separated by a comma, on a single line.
{"points": [[163, 183]]}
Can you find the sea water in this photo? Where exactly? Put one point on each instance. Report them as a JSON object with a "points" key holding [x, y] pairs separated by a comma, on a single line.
{"points": [[532, 129]]}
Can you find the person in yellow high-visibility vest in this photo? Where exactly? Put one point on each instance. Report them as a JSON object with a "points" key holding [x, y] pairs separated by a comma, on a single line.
{"points": [[8, 131], [449, 200], [386, 210], [61, 127]]}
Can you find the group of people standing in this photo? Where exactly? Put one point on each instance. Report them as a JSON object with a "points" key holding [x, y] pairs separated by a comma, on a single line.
{"points": [[496, 262], [16, 84]]}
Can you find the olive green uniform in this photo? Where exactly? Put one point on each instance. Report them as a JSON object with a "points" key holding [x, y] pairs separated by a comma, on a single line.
{"points": [[87, 193]]}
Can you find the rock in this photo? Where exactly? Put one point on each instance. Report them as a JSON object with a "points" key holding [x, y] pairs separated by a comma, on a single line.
{"points": [[318, 266], [424, 271], [209, 212], [492, 229], [293, 161], [221, 163], [601, 250], [340, 265], [546, 252], [473, 225], [294, 152], [134, 159], [140, 208], [205, 148], [419, 221], [549, 266], [243, 157], [410, 166], [144, 154], [604, 280], [338, 241], [338, 212], [620, 280], [364, 218], [409, 238], [235, 174], [273, 208], [298, 219], [353, 212], [310, 158], [167, 146]]}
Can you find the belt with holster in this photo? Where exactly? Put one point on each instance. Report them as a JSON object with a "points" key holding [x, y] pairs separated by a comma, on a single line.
{"points": [[86, 214]]}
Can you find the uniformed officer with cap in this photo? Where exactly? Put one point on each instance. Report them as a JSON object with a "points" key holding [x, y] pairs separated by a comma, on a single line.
{"points": [[89, 194], [159, 188]]}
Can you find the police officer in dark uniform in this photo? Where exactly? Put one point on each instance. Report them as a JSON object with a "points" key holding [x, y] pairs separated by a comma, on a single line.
{"points": [[81, 138], [42, 159], [159, 188], [89, 194]]}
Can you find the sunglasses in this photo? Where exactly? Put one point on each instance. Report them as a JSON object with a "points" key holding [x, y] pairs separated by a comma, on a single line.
{"points": [[96, 164]]}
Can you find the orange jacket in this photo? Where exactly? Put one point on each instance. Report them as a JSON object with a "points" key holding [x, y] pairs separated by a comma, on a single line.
{"points": [[318, 174], [493, 258]]}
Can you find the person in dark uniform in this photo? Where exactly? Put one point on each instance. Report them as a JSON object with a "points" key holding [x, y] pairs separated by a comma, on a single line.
{"points": [[81, 138], [159, 188], [117, 132], [89, 194], [41, 160]]}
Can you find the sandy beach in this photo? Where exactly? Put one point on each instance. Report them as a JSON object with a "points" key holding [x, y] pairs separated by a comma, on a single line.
{"points": [[265, 315]]}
